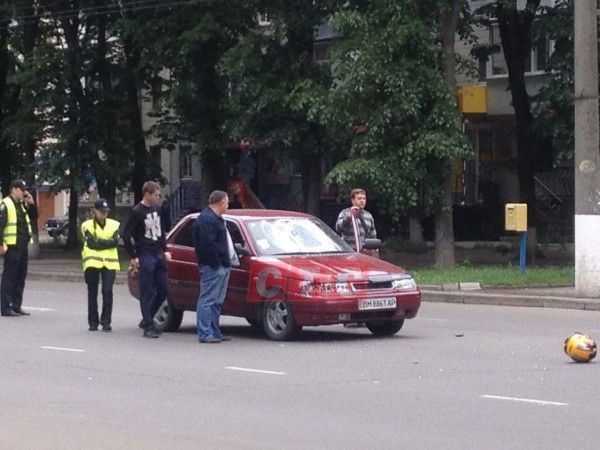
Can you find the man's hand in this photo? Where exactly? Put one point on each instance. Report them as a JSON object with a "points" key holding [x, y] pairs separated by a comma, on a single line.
{"points": [[355, 210], [168, 256], [134, 267], [28, 198], [3, 248]]}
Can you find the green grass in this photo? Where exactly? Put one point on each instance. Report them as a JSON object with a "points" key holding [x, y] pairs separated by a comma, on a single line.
{"points": [[495, 275]]}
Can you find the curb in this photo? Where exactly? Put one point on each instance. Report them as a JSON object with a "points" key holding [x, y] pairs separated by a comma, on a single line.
{"points": [[70, 277], [429, 294], [506, 299]]}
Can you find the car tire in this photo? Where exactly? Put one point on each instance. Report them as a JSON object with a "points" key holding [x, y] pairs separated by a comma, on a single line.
{"points": [[385, 328], [278, 320], [254, 323], [168, 318]]}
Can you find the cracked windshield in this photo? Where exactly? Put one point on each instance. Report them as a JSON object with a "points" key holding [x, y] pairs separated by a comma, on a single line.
{"points": [[295, 236]]}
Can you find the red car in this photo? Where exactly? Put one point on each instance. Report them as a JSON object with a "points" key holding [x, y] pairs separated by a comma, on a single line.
{"points": [[293, 271]]}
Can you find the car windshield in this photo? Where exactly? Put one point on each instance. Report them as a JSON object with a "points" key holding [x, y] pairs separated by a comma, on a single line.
{"points": [[295, 236]]}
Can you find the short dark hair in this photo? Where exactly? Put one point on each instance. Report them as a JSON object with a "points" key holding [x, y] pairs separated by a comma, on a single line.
{"points": [[356, 192], [150, 187], [216, 197]]}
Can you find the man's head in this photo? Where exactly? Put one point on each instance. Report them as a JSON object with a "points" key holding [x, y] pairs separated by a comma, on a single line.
{"points": [[18, 188], [101, 209], [358, 197], [218, 201], [151, 193]]}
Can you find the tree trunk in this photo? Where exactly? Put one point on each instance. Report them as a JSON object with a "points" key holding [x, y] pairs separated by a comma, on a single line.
{"points": [[73, 233], [415, 229], [515, 32], [311, 184], [444, 224]]}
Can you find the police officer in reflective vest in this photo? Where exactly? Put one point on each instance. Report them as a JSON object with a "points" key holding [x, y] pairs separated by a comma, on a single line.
{"points": [[15, 235], [100, 260]]}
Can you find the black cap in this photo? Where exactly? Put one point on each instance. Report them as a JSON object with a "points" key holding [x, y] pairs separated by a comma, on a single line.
{"points": [[101, 205], [19, 184]]}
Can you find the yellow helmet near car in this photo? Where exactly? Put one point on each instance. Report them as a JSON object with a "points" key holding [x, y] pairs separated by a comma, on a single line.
{"points": [[580, 347]]}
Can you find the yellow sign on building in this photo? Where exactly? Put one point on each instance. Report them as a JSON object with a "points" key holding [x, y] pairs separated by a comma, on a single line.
{"points": [[516, 217], [472, 99]]}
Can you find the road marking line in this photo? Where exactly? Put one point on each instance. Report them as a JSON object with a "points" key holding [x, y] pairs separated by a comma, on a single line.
{"points": [[243, 369], [64, 349], [525, 400], [38, 308]]}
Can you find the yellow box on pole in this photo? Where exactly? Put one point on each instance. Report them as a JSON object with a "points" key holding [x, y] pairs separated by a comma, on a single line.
{"points": [[516, 217]]}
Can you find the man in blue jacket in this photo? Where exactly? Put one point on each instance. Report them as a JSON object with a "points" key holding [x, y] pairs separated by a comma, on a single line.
{"points": [[212, 245]]}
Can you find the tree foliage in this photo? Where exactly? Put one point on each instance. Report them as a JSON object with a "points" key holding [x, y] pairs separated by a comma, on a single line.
{"points": [[389, 83]]}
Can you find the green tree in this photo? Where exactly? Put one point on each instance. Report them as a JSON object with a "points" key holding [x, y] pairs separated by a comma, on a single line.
{"points": [[192, 41], [553, 108], [278, 90], [390, 79]]}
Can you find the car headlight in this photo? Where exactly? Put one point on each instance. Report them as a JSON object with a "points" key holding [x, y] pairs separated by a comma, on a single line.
{"points": [[312, 288], [405, 284]]}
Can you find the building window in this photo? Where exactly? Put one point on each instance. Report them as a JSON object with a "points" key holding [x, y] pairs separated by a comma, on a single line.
{"points": [[264, 20], [185, 161], [321, 54], [536, 63]]}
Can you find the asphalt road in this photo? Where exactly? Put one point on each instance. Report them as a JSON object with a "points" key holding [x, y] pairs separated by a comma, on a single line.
{"points": [[456, 377]]}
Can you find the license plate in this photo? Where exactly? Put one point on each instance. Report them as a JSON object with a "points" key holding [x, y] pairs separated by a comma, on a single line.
{"points": [[377, 303]]}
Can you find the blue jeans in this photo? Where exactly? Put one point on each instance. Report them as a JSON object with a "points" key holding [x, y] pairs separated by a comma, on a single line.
{"points": [[153, 285], [213, 287]]}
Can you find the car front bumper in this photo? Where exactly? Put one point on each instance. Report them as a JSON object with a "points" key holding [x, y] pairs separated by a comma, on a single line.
{"points": [[323, 311]]}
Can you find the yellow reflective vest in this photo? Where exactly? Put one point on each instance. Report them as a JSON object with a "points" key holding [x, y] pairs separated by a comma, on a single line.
{"points": [[10, 230], [99, 259]]}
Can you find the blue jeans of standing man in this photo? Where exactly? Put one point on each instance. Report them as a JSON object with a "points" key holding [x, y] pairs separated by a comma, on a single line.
{"points": [[213, 287], [153, 285]]}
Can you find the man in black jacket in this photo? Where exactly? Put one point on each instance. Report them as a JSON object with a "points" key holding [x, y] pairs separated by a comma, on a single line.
{"points": [[145, 242], [212, 244]]}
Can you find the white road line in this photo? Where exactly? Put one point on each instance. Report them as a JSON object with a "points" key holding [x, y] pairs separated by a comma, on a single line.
{"points": [[524, 400], [64, 349], [38, 308], [244, 369]]}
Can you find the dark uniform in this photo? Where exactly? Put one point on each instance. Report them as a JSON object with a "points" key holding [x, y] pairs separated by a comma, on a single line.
{"points": [[15, 256]]}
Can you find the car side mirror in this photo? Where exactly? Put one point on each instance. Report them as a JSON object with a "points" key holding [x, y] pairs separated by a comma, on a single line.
{"points": [[241, 250], [372, 244]]}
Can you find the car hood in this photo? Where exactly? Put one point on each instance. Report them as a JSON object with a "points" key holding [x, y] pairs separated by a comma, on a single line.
{"points": [[327, 268]]}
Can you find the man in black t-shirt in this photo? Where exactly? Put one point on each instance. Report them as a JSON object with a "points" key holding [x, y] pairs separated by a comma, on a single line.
{"points": [[145, 242]]}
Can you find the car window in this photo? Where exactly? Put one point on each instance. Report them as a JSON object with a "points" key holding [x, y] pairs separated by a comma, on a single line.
{"points": [[235, 233], [295, 235], [184, 236]]}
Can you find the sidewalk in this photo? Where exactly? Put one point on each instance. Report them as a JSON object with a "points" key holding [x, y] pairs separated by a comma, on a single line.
{"points": [[69, 269]]}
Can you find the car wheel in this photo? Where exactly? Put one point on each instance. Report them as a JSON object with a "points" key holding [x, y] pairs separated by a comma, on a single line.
{"points": [[52, 233], [168, 318], [278, 320], [254, 323], [385, 328]]}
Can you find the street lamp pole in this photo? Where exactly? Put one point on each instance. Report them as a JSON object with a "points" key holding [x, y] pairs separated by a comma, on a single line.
{"points": [[587, 157]]}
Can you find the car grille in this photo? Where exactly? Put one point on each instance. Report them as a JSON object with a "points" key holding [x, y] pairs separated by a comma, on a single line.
{"points": [[52, 223], [372, 285]]}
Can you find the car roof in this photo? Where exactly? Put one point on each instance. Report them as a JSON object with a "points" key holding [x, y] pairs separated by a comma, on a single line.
{"points": [[258, 214]]}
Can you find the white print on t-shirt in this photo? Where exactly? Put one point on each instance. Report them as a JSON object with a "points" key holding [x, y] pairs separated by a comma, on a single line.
{"points": [[152, 223]]}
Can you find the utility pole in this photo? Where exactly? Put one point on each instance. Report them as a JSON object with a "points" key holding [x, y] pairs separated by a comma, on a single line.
{"points": [[587, 153]]}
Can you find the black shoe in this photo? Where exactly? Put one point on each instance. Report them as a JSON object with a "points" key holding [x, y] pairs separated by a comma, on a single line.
{"points": [[151, 333], [141, 324], [10, 313], [210, 340], [106, 327], [21, 312], [93, 327]]}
